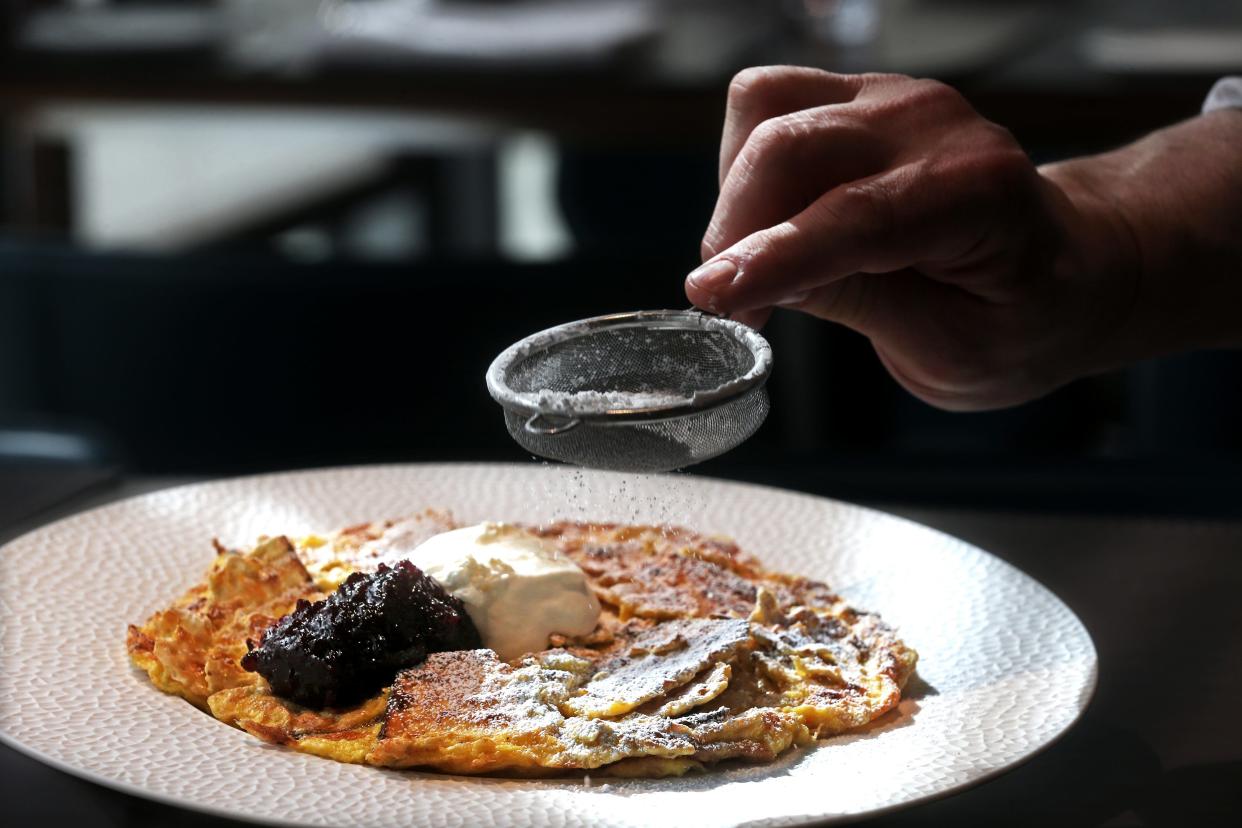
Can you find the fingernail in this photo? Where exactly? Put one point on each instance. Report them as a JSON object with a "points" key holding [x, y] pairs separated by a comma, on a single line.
{"points": [[795, 298], [713, 275]]}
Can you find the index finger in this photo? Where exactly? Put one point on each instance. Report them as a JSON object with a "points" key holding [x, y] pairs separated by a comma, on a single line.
{"points": [[877, 224]]}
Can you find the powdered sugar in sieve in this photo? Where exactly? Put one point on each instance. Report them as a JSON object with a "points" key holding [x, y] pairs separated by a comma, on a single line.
{"points": [[641, 391]]}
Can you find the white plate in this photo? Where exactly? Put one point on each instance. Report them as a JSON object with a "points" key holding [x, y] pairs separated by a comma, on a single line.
{"points": [[1004, 666]]}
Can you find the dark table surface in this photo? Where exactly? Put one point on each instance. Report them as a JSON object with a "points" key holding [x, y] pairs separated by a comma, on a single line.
{"points": [[1161, 743]]}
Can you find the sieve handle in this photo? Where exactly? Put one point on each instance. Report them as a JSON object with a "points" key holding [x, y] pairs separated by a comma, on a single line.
{"points": [[538, 424]]}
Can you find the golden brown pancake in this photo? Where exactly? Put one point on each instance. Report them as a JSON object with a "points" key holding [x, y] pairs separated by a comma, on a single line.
{"points": [[657, 662], [467, 712], [192, 648], [700, 655], [331, 558], [663, 572]]}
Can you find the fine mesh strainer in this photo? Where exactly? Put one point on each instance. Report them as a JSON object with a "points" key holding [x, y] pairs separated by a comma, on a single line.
{"points": [[645, 391]]}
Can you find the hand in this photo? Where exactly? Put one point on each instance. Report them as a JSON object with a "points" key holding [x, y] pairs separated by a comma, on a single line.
{"points": [[889, 205]]}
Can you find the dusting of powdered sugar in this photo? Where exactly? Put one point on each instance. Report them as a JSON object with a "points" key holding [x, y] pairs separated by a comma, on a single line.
{"points": [[528, 698], [526, 702], [569, 403]]}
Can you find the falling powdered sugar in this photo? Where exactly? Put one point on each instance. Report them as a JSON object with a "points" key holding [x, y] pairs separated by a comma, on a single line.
{"points": [[666, 500]]}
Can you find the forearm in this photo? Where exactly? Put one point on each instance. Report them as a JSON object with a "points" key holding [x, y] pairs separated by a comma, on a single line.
{"points": [[1166, 214]]}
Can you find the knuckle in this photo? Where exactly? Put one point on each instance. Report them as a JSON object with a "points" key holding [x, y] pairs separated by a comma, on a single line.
{"points": [[845, 131], [934, 94], [882, 80], [996, 135], [772, 139], [983, 159], [754, 83], [924, 96], [770, 136], [760, 89], [916, 104], [994, 144], [1002, 169], [871, 209]]}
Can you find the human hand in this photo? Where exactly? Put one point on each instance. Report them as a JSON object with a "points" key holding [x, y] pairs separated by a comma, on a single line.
{"points": [[889, 205]]}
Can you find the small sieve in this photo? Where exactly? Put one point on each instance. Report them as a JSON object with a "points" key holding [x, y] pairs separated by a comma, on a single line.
{"points": [[645, 391]]}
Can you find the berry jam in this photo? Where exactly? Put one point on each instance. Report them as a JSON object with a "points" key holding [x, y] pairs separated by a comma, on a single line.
{"points": [[340, 651]]}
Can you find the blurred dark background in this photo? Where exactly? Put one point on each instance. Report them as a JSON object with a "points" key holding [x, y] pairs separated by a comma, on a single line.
{"points": [[256, 234]]}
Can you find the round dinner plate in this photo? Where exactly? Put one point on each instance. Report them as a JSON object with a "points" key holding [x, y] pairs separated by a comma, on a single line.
{"points": [[1004, 667]]}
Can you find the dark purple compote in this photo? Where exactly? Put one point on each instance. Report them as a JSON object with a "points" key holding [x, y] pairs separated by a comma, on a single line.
{"points": [[342, 650]]}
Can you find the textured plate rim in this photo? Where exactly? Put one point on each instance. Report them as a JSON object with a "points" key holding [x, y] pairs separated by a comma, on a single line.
{"points": [[1085, 697]]}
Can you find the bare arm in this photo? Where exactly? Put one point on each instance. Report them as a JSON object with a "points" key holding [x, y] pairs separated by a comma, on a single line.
{"points": [[888, 205]]}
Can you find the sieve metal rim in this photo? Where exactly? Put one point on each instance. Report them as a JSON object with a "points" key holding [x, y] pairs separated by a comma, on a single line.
{"points": [[525, 403]]}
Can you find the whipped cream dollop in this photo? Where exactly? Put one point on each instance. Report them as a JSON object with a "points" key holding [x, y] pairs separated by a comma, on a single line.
{"points": [[518, 588]]}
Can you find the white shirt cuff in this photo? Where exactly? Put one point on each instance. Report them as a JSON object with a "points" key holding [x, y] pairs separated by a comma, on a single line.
{"points": [[1226, 94]]}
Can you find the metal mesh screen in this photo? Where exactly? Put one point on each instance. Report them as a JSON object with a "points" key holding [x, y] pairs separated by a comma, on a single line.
{"points": [[665, 360], [663, 445]]}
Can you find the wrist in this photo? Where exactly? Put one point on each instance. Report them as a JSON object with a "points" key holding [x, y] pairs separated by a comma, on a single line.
{"points": [[1098, 266], [1159, 218]]}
